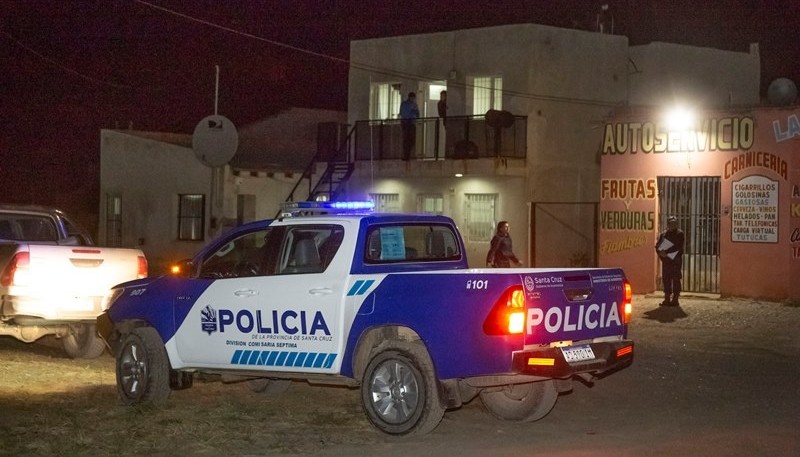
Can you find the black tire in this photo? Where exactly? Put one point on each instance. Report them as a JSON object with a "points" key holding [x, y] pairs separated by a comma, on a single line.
{"points": [[268, 386], [399, 390], [142, 368], [82, 342], [521, 402]]}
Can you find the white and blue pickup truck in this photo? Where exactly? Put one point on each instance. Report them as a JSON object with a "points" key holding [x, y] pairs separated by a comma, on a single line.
{"points": [[383, 302]]}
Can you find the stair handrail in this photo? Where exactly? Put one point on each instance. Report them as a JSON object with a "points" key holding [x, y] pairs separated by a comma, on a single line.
{"points": [[344, 146]]}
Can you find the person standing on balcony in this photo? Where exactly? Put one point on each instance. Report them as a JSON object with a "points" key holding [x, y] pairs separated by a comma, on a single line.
{"points": [[409, 113], [500, 253], [442, 107], [441, 133]]}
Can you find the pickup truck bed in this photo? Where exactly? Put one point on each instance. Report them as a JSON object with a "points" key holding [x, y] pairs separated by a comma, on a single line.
{"points": [[53, 280]]}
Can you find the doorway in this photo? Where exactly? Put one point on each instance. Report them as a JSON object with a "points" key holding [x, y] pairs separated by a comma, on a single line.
{"points": [[433, 130], [695, 201]]}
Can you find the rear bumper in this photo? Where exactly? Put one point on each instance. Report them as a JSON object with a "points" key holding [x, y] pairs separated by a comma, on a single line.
{"points": [[52, 308], [549, 362]]}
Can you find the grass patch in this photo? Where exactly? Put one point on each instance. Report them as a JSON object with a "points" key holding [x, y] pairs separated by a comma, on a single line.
{"points": [[52, 405]]}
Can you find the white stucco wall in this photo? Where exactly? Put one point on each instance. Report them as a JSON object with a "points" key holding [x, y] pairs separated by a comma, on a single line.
{"points": [[148, 175], [665, 73]]}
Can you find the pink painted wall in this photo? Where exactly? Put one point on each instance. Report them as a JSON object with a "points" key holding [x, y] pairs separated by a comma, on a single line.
{"points": [[755, 150]]}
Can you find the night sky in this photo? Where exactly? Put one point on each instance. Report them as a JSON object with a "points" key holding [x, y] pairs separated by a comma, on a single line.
{"points": [[71, 68]]}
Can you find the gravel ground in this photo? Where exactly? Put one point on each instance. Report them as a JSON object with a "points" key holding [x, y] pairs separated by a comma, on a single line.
{"points": [[712, 377]]}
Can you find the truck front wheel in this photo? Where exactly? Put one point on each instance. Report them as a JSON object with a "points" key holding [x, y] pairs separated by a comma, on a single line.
{"points": [[142, 368], [82, 342], [399, 390], [521, 402]]}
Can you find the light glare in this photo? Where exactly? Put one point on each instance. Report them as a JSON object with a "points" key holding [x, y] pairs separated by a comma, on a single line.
{"points": [[680, 118]]}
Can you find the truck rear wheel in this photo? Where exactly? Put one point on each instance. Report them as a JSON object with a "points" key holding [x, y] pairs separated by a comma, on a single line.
{"points": [[142, 368], [82, 342], [521, 402], [399, 390]]}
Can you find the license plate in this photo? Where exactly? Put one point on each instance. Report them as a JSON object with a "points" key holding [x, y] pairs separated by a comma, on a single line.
{"points": [[577, 353], [78, 304]]}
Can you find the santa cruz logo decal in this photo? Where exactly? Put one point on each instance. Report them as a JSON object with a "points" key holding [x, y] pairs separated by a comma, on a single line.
{"points": [[529, 284], [208, 320]]}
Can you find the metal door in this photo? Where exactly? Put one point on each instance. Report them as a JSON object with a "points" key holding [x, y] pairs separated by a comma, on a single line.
{"points": [[695, 201]]}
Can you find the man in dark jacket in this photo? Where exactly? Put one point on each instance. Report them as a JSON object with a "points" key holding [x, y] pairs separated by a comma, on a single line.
{"points": [[500, 253], [669, 248]]}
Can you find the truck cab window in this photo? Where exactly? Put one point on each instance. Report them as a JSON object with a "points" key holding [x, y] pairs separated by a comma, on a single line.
{"points": [[411, 242], [247, 255]]}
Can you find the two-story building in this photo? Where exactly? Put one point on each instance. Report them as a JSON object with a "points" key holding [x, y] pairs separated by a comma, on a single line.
{"points": [[526, 110], [537, 162]]}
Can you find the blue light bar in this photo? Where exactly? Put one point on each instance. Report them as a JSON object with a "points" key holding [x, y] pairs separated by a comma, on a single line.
{"points": [[314, 207]]}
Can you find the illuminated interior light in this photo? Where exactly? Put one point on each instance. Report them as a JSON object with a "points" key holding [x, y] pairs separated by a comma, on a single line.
{"points": [[541, 361], [459, 175]]}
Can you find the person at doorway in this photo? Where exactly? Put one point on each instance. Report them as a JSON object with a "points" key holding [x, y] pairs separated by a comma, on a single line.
{"points": [[409, 113], [669, 248], [442, 107], [501, 254]]}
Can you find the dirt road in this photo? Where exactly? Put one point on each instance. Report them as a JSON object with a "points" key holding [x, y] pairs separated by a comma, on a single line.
{"points": [[714, 377]]}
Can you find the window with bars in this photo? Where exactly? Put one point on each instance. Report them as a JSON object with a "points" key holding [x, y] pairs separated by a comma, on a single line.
{"points": [[480, 216], [430, 204], [191, 217], [384, 100], [113, 221], [487, 93], [386, 203]]}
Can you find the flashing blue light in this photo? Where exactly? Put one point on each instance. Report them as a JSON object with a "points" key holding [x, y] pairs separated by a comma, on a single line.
{"points": [[353, 205], [326, 207]]}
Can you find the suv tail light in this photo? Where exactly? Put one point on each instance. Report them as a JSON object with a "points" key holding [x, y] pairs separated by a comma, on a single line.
{"points": [[627, 304], [508, 314], [16, 270], [142, 269]]}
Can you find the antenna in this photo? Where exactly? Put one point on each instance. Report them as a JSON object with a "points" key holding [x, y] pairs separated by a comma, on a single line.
{"points": [[215, 139]]}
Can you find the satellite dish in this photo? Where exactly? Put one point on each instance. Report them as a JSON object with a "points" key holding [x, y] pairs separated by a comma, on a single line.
{"points": [[215, 140], [782, 92]]}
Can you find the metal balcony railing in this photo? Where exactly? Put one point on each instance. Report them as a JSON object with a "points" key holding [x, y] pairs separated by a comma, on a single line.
{"points": [[461, 137]]}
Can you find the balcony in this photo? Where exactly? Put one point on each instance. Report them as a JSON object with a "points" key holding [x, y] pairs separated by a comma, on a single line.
{"points": [[464, 137]]}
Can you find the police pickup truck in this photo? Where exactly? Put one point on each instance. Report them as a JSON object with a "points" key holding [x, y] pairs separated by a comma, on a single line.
{"points": [[382, 302]]}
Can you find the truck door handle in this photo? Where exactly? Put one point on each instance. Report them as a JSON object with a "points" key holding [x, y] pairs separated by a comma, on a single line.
{"points": [[245, 293], [322, 291]]}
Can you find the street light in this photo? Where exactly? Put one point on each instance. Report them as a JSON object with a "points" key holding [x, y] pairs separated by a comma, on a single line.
{"points": [[679, 118]]}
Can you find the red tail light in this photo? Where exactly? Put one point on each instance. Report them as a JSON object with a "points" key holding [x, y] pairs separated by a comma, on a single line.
{"points": [[627, 304], [142, 270], [18, 264], [508, 314]]}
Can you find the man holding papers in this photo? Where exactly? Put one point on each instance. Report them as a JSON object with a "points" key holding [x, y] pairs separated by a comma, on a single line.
{"points": [[669, 248]]}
